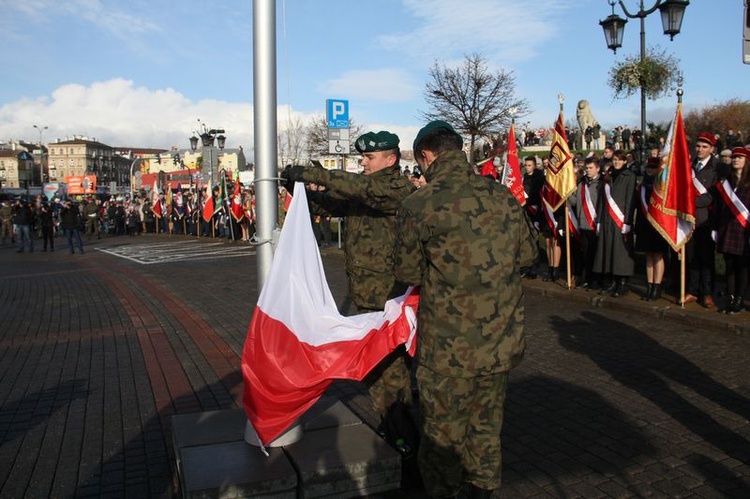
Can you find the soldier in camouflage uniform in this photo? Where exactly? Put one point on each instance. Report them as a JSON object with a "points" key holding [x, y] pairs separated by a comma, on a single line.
{"points": [[6, 224], [91, 214], [464, 240], [369, 202]]}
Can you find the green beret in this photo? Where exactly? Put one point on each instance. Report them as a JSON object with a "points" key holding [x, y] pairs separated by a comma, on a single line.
{"points": [[380, 141], [431, 127]]}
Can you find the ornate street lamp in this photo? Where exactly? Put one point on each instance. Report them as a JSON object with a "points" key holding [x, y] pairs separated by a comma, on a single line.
{"points": [[672, 12], [207, 137]]}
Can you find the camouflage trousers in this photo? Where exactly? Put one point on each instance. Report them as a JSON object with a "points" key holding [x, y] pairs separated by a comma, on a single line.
{"points": [[462, 419], [390, 381]]}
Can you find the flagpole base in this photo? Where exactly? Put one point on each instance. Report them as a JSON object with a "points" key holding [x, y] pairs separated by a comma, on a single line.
{"points": [[292, 435]]}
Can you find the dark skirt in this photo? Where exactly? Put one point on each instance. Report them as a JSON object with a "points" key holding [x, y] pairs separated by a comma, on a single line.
{"points": [[647, 239]]}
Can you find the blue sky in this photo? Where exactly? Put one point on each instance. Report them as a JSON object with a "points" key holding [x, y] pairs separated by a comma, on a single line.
{"points": [[140, 73]]}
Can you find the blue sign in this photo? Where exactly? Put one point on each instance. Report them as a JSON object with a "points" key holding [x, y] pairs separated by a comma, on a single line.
{"points": [[337, 113]]}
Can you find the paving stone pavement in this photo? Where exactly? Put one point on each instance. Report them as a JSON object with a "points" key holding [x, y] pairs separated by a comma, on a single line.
{"points": [[616, 398]]}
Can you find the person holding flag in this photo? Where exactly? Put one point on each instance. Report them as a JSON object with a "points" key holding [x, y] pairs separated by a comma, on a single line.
{"points": [[733, 229], [647, 238], [614, 251], [470, 318], [560, 177], [369, 202], [672, 203]]}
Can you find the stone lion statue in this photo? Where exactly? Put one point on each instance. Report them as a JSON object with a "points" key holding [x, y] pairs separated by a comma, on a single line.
{"points": [[584, 115]]}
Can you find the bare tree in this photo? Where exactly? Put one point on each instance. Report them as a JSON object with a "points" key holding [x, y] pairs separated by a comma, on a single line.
{"points": [[317, 137], [291, 142], [475, 101]]}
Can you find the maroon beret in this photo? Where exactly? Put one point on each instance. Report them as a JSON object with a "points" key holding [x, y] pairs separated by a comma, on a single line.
{"points": [[707, 137], [740, 151]]}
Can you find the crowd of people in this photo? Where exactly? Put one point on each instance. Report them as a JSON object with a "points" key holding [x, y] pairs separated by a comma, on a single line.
{"points": [[608, 213], [24, 219]]}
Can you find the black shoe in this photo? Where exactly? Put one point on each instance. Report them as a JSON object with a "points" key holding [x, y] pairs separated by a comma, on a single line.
{"points": [[585, 285], [594, 286], [647, 295], [655, 292], [609, 288], [621, 288]]}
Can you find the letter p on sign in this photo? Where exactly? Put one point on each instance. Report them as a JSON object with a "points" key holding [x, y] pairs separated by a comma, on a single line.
{"points": [[337, 113]]}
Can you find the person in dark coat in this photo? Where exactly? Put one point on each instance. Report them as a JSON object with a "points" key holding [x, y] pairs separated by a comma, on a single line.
{"points": [[70, 220], [732, 229], [47, 222], [701, 249], [583, 203], [533, 181], [647, 239], [614, 251]]}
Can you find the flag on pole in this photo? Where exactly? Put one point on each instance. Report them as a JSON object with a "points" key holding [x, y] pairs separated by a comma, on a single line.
{"points": [[155, 204], [298, 343], [208, 206], [237, 211], [671, 207], [168, 203], [560, 175], [512, 170]]}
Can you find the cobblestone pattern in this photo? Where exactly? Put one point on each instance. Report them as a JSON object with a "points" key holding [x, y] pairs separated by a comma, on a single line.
{"points": [[97, 352]]}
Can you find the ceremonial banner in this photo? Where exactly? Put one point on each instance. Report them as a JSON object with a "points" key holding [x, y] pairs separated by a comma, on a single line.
{"points": [[155, 204], [512, 170], [298, 343], [560, 175], [237, 211], [671, 207]]}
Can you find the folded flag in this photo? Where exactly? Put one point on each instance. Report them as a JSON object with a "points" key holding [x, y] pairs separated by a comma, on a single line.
{"points": [[298, 342]]}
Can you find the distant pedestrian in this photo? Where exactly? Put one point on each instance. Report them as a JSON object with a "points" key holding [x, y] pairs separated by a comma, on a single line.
{"points": [[71, 224], [23, 219], [47, 222]]}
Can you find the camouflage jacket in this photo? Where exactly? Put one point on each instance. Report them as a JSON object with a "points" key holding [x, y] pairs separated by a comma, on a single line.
{"points": [[463, 239], [369, 203], [6, 213]]}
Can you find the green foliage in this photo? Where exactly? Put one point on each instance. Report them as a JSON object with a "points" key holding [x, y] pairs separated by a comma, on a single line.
{"points": [[657, 73]]}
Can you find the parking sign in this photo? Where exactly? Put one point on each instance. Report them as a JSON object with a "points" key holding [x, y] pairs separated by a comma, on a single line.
{"points": [[337, 113]]}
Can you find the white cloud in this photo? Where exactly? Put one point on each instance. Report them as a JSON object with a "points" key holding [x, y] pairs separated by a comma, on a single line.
{"points": [[385, 85], [118, 113], [512, 31]]}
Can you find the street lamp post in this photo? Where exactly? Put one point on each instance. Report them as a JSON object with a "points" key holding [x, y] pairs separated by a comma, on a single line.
{"points": [[207, 137], [672, 12], [41, 154]]}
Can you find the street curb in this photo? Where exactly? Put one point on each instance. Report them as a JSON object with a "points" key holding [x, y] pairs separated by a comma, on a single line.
{"points": [[705, 319]]}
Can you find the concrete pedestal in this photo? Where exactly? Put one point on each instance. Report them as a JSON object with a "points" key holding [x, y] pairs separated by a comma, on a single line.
{"points": [[338, 456]]}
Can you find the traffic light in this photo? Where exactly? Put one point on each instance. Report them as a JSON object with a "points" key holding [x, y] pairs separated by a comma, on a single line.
{"points": [[746, 34]]}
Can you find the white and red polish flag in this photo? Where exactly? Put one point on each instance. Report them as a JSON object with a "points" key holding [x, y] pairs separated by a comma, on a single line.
{"points": [[298, 342]]}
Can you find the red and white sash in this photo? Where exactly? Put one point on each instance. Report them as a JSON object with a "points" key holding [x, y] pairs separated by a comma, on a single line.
{"points": [[699, 188], [736, 206], [644, 201], [589, 211], [549, 216], [614, 211], [572, 223]]}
